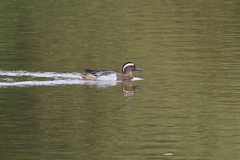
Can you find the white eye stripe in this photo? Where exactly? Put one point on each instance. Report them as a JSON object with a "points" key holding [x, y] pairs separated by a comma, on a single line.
{"points": [[127, 65]]}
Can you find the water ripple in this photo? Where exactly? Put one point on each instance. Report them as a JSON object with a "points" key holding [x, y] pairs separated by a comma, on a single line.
{"points": [[56, 79]]}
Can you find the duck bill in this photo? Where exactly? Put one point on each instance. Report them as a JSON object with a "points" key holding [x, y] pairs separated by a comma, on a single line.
{"points": [[137, 69]]}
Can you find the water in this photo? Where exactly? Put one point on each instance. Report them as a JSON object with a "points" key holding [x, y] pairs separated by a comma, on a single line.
{"points": [[183, 105]]}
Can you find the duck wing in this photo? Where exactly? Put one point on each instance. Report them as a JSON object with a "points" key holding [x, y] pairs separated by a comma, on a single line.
{"points": [[99, 73]]}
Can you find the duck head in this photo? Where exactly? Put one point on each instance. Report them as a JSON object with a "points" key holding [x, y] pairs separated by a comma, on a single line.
{"points": [[129, 67]]}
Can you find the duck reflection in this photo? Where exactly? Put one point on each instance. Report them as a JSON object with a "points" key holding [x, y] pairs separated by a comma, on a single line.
{"points": [[128, 88]]}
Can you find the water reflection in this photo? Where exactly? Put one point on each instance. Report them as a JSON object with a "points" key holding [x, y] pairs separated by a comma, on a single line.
{"points": [[128, 88]]}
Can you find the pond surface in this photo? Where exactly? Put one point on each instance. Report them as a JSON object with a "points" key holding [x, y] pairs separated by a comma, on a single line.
{"points": [[185, 104]]}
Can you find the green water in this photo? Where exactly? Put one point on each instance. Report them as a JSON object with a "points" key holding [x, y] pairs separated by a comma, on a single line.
{"points": [[187, 106]]}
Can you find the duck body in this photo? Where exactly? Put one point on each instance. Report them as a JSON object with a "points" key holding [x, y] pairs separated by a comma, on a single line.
{"points": [[111, 75], [100, 75]]}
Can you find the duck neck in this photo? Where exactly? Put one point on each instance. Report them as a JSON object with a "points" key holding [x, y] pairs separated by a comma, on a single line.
{"points": [[128, 74]]}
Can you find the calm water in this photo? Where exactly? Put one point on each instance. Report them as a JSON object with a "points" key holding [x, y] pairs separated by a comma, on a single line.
{"points": [[186, 107]]}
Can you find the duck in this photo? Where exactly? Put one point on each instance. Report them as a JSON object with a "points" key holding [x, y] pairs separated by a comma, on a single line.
{"points": [[106, 75]]}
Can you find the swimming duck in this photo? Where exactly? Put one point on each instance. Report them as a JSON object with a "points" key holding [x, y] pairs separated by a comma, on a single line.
{"points": [[126, 74]]}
